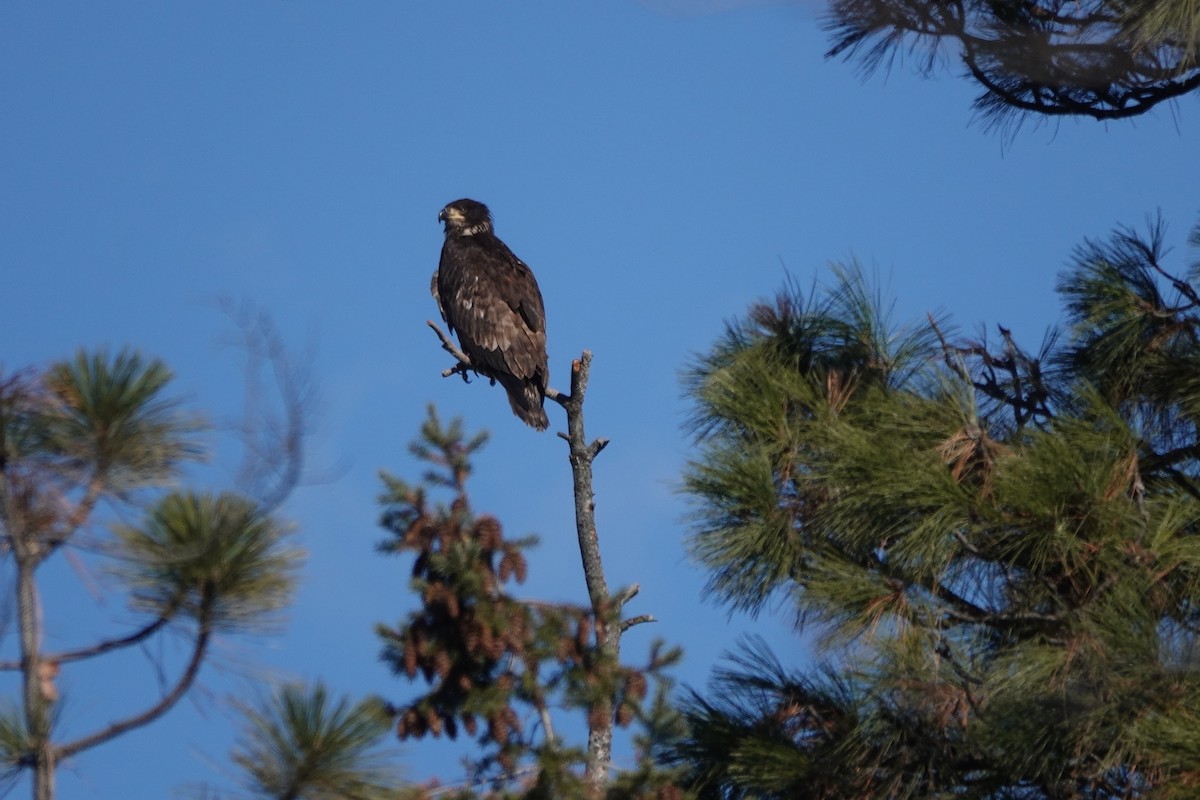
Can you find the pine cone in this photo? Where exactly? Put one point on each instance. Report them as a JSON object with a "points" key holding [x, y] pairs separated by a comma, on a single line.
{"points": [[635, 685]]}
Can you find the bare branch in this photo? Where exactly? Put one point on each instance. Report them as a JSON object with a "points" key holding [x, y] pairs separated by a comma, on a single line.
{"points": [[464, 361], [108, 645], [186, 679], [608, 636], [638, 620], [605, 608], [581, 455]]}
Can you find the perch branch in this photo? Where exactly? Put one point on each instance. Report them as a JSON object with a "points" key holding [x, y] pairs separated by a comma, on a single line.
{"points": [[464, 361], [608, 635]]}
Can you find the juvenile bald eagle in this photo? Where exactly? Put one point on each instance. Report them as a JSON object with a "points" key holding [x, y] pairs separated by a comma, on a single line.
{"points": [[490, 297]]}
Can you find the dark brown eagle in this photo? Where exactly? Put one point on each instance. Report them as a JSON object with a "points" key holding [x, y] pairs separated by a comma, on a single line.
{"points": [[491, 299]]}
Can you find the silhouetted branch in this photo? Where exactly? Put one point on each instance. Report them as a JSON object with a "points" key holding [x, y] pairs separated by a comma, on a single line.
{"points": [[1046, 57]]}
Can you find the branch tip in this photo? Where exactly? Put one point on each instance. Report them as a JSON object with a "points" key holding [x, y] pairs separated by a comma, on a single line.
{"points": [[641, 619], [628, 593]]}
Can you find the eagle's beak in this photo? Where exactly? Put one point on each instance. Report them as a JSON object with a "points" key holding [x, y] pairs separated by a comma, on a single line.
{"points": [[442, 215]]}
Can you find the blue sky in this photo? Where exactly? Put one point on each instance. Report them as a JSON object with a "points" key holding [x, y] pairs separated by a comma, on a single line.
{"points": [[659, 164]]}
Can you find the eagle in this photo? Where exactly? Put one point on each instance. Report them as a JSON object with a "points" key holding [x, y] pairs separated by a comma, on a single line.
{"points": [[490, 298]]}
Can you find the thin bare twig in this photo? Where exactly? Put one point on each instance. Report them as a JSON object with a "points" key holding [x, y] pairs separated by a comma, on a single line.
{"points": [[640, 619], [464, 361]]}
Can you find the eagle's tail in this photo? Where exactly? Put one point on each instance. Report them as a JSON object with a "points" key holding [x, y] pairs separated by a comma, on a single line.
{"points": [[526, 398]]}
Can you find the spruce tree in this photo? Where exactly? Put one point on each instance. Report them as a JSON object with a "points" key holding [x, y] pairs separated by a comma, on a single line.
{"points": [[501, 669]]}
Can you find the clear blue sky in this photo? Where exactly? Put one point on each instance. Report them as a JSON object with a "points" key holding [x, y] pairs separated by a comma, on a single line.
{"points": [[659, 164]]}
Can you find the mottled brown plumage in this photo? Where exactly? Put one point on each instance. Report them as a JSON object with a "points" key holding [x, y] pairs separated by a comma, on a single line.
{"points": [[490, 298]]}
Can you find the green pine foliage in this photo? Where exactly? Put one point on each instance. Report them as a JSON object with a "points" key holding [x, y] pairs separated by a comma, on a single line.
{"points": [[1000, 547], [303, 744], [91, 448], [217, 559]]}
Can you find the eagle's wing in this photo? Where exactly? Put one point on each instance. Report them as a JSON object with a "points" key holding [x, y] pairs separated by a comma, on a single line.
{"points": [[529, 297], [437, 297]]}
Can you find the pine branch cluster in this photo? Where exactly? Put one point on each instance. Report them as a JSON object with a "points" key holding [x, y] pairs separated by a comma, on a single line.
{"points": [[998, 545], [1104, 59]]}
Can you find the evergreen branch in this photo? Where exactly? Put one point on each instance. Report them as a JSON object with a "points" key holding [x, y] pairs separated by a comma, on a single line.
{"points": [[99, 648], [943, 649], [186, 679], [1183, 287], [1170, 458]]}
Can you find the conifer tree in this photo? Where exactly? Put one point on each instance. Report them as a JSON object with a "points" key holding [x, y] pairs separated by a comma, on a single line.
{"points": [[99, 430], [1000, 546], [304, 744], [499, 668], [1106, 59]]}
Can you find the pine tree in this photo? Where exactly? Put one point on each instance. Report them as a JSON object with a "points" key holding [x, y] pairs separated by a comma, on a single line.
{"points": [[999, 546], [98, 433], [1105, 59], [303, 744]]}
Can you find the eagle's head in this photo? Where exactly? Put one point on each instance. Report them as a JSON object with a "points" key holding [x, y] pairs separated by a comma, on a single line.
{"points": [[466, 218]]}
